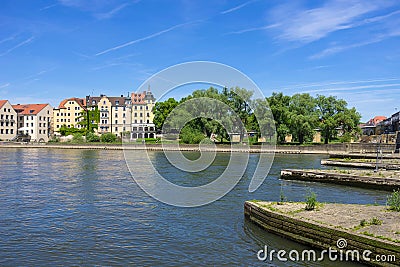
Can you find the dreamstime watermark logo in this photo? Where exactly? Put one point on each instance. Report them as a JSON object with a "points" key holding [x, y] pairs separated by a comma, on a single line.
{"points": [[217, 112], [340, 253]]}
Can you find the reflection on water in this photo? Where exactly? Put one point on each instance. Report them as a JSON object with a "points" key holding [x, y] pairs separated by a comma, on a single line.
{"points": [[81, 207]]}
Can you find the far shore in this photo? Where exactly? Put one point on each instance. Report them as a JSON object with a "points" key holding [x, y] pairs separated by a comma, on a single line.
{"points": [[346, 148]]}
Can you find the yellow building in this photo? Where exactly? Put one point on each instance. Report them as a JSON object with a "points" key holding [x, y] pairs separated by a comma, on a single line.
{"points": [[69, 113], [142, 115]]}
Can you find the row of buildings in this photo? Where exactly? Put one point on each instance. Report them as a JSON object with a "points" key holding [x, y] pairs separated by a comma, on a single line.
{"points": [[382, 125], [130, 115]]}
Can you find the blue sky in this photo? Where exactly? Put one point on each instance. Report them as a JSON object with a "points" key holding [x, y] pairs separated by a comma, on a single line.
{"points": [[50, 50]]}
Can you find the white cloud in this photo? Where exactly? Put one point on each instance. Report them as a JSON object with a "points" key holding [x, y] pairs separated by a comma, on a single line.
{"points": [[25, 42], [4, 85], [112, 12], [255, 29], [141, 39], [236, 7], [336, 49], [308, 25]]}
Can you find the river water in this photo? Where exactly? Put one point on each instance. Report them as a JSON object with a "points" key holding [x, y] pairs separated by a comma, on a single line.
{"points": [[82, 208]]}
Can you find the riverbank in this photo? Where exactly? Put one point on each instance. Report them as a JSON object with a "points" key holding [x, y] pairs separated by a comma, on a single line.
{"points": [[382, 180], [345, 148], [359, 227]]}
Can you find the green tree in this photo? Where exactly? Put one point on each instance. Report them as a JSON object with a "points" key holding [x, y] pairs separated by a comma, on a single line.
{"points": [[333, 114], [161, 111], [108, 138], [279, 104], [90, 118], [91, 137], [303, 117]]}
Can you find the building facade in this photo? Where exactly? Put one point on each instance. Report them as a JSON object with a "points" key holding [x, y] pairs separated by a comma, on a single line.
{"points": [[115, 113], [69, 113], [142, 115], [370, 128], [8, 121], [34, 120]]}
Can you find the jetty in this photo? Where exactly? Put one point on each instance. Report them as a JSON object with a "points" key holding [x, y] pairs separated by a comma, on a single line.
{"points": [[382, 180], [343, 227]]}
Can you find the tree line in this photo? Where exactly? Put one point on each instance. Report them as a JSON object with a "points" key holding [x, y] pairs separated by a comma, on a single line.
{"points": [[299, 115]]}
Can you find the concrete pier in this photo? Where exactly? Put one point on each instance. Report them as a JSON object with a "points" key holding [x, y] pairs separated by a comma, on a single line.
{"points": [[383, 180], [322, 228]]}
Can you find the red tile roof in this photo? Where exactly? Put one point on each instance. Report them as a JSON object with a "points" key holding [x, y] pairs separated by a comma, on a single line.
{"points": [[374, 121], [2, 102], [138, 98], [29, 109], [80, 101]]}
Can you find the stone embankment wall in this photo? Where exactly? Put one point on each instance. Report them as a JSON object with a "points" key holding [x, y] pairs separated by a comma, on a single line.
{"points": [[319, 235]]}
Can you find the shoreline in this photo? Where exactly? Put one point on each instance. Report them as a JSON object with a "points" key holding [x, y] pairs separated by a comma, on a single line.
{"points": [[329, 149]]}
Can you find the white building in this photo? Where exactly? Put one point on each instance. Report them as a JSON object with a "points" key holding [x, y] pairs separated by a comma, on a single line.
{"points": [[8, 121], [35, 120]]}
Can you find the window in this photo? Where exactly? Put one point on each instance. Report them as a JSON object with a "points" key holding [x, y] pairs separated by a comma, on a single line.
{"points": [[141, 114], [104, 102], [44, 131], [12, 117], [1, 131], [93, 102], [135, 121], [124, 122], [58, 126], [116, 115], [141, 107], [40, 125], [147, 107], [6, 117], [12, 131], [148, 115], [117, 102], [116, 108], [40, 131], [123, 115], [6, 131], [32, 124], [135, 114], [116, 129], [148, 121], [135, 107], [116, 121], [31, 131], [69, 108]]}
